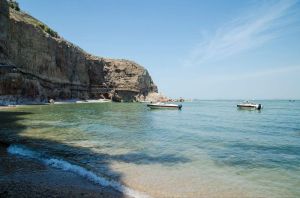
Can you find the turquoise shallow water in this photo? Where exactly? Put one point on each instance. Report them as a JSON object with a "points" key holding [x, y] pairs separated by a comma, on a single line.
{"points": [[209, 148]]}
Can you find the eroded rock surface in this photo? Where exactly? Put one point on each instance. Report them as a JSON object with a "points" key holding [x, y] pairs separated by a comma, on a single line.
{"points": [[36, 66]]}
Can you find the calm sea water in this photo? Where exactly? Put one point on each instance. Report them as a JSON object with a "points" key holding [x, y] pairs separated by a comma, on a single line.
{"points": [[209, 148]]}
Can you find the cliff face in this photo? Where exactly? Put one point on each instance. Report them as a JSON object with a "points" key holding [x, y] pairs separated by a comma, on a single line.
{"points": [[37, 65], [3, 30]]}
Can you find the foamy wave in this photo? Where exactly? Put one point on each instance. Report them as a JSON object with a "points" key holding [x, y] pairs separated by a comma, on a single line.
{"points": [[66, 166]]}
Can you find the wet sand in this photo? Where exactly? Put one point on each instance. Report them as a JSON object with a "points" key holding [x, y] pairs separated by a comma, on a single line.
{"points": [[7, 107], [22, 177]]}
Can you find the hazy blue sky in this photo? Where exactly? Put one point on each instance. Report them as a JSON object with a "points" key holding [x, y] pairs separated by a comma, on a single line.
{"points": [[216, 49]]}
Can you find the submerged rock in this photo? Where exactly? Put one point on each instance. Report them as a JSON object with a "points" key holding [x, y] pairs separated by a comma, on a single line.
{"points": [[36, 64]]}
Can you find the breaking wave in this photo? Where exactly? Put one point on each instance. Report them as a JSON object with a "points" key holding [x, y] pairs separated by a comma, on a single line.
{"points": [[66, 166]]}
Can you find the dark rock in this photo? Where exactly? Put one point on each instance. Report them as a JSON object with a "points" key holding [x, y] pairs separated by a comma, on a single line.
{"points": [[48, 66]]}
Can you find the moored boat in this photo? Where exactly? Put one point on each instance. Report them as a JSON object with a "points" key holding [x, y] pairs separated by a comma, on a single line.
{"points": [[249, 105], [94, 101], [160, 105]]}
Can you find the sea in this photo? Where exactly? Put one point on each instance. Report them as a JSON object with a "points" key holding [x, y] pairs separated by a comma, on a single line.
{"points": [[210, 148]]}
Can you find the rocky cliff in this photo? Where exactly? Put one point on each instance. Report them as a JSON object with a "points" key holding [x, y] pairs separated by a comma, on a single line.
{"points": [[36, 65]]}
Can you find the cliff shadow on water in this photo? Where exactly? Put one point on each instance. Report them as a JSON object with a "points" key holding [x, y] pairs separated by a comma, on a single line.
{"points": [[12, 127]]}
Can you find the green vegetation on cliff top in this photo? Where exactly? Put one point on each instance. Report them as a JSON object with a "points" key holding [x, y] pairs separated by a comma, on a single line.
{"points": [[18, 14], [14, 5]]}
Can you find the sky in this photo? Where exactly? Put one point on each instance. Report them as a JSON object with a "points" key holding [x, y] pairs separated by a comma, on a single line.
{"points": [[213, 49]]}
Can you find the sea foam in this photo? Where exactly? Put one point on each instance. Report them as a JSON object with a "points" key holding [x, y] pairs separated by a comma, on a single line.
{"points": [[66, 166]]}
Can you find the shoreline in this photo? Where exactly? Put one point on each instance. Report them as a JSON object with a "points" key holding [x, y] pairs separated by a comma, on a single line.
{"points": [[31, 178], [67, 101]]}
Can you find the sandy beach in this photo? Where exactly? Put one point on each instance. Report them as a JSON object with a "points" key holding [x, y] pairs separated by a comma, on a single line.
{"points": [[22, 177], [6, 107]]}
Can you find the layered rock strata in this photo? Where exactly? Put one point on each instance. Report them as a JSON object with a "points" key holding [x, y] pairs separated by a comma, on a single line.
{"points": [[36, 65]]}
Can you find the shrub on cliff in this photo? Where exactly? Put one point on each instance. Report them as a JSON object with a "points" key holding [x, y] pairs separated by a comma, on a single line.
{"points": [[51, 32], [47, 29], [14, 5]]}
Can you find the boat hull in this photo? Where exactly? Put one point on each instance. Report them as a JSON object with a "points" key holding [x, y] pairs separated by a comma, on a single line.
{"points": [[154, 106], [250, 106]]}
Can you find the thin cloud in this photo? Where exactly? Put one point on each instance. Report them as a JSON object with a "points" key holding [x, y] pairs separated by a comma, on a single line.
{"points": [[263, 24], [217, 79]]}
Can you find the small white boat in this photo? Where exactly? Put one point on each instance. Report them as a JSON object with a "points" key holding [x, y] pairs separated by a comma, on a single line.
{"points": [[249, 105], [93, 101], [160, 105]]}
